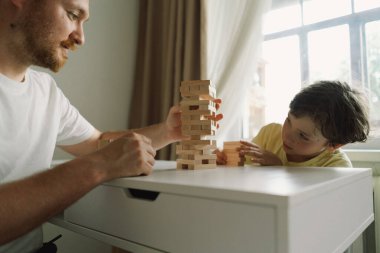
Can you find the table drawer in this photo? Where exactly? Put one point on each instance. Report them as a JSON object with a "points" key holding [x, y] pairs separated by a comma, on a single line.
{"points": [[176, 223]]}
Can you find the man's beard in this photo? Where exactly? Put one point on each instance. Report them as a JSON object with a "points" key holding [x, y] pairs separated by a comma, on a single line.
{"points": [[40, 47], [44, 54]]}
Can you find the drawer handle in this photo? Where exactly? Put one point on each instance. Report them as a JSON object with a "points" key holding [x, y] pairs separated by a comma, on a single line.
{"points": [[143, 194]]}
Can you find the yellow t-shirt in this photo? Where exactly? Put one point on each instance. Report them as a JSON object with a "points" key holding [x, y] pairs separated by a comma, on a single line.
{"points": [[269, 138]]}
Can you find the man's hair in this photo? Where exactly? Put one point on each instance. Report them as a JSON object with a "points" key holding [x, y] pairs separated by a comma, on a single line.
{"points": [[338, 111]]}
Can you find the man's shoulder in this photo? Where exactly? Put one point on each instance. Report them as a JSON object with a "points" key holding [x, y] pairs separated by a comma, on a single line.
{"points": [[38, 73], [40, 78]]}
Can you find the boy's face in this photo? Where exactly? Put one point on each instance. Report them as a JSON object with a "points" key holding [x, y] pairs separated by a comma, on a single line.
{"points": [[302, 140]]}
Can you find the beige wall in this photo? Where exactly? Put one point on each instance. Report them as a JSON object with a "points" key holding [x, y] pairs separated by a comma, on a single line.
{"points": [[98, 79]]}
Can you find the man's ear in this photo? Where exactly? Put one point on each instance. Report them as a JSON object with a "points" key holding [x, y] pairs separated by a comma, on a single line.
{"points": [[19, 3]]}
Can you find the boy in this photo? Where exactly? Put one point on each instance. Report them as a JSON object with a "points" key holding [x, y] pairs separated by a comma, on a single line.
{"points": [[322, 117]]}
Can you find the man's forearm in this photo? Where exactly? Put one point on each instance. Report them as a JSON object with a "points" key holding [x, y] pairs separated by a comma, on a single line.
{"points": [[156, 133], [27, 203]]}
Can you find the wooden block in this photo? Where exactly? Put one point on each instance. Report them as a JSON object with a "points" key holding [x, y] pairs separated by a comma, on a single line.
{"points": [[201, 94], [205, 157], [198, 132], [194, 88], [195, 149], [190, 108], [231, 144], [205, 147], [199, 137], [232, 155], [182, 166], [185, 127], [208, 122], [192, 98], [186, 102], [209, 111], [197, 84], [183, 157], [197, 158], [195, 166], [196, 127], [204, 166], [200, 89], [190, 161], [230, 149], [208, 151], [206, 127], [189, 152], [189, 127], [199, 142], [235, 164], [198, 112], [188, 117]]}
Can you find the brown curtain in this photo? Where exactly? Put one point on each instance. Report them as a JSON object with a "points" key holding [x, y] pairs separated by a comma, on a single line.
{"points": [[168, 52]]}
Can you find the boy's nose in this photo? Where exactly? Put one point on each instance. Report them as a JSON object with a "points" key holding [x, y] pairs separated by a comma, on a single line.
{"points": [[290, 138]]}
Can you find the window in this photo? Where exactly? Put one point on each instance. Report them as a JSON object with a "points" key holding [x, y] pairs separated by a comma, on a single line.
{"points": [[310, 40], [372, 63], [329, 54]]}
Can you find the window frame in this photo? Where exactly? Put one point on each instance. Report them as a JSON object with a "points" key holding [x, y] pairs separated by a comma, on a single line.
{"points": [[356, 22]]}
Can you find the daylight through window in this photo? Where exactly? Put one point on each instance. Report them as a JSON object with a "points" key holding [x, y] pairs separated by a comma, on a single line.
{"points": [[314, 40]]}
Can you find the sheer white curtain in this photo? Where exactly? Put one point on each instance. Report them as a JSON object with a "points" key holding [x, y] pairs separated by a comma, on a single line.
{"points": [[231, 42]]}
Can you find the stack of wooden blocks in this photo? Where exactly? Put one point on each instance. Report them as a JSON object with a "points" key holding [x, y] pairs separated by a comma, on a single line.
{"points": [[198, 114], [230, 148]]}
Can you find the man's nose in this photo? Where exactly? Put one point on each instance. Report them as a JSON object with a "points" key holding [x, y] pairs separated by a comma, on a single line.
{"points": [[78, 35]]}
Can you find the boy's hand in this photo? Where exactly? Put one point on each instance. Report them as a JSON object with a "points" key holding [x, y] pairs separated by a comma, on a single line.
{"points": [[221, 158], [258, 155]]}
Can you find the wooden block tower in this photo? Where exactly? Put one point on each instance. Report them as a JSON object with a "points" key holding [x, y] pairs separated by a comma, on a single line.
{"points": [[230, 148], [198, 112]]}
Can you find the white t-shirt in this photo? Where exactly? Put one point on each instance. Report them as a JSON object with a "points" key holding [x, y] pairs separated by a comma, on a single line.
{"points": [[35, 116]]}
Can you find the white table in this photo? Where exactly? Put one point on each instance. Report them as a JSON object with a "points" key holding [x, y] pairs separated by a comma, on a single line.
{"points": [[228, 209]]}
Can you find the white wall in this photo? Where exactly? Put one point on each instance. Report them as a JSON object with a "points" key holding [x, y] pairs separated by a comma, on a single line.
{"points": [[98, 77], [98, 80]]}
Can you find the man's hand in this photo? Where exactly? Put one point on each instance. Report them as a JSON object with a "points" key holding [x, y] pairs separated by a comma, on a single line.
{"points": [[258, 155], [129, 155], [173, 122], [173, 125]]}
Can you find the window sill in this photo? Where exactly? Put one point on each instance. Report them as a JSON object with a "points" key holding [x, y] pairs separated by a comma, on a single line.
{"points": [[363, 155]]}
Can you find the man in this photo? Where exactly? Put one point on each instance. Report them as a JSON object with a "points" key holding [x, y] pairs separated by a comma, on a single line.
{"points": [[36, 116]]}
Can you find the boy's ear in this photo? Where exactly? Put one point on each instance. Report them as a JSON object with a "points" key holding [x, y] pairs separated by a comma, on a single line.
{"points": [[333, 147]]}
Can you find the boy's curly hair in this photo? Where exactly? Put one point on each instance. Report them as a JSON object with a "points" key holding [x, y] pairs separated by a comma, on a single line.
{"points": [[338, 111]]}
